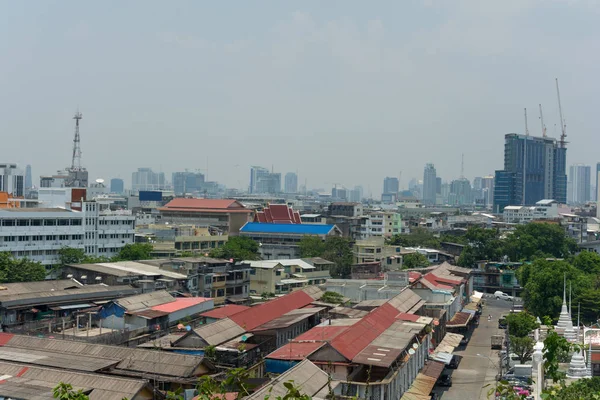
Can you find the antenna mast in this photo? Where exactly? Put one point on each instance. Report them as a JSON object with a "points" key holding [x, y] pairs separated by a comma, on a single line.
{"points": [[76, 160], [542, 119], [563, 126], [462, 166], [523, 202], [526, 128]]}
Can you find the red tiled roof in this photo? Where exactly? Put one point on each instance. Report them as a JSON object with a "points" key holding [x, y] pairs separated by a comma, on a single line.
{"points": [[224, 312], [365, 331], [180, 304], [258, 315], [326, 332], [295, 350], [212, 205], [431, 278], [278, 214], [413, 276]]}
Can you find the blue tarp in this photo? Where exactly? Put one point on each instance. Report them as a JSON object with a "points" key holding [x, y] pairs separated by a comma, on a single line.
{"points": [[111, 309], [304, 229], [278, 366]]}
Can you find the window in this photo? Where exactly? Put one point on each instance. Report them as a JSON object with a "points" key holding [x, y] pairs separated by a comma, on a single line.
{"points": [[63, 237], [23, 238], [37, 238], [220, 292], [50, 237], [23, 222], [9, 222], [63, 222], [49, 222], [36, 222], [278, 273], [253, 271]]}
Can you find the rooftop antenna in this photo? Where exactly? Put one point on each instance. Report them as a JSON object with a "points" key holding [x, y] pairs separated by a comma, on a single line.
{"points": [[526, 127], [523, 202], [542, 120], [563, 125], [462, 166], [76, 160]]}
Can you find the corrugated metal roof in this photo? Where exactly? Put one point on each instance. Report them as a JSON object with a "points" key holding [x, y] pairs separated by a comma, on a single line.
{"points": [[225, 311], [448, 343], [219, 332], [298, 229], [289, 319], [460, 319], [35, 383], [146, 300], [128, 269], [322, 332], [258, 315], [349, 312], [130, 360], [7, 289], [433, 369], [309, 378], [295, 350], [202, 204], [76, 294]]}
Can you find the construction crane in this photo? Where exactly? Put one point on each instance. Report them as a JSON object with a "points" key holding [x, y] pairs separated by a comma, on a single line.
{"points": [[76, 160], [542, 120], [563, 125]]}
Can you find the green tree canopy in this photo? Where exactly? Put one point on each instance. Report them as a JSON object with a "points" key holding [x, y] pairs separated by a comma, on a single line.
{"points": [[522, 347], [538, 240], [70, 255], [332, 298], [414, 260], [65, 391], [20, 270], [418, 237], [134, 252], [582, 389], [543, 283], [556, 348], [587, 262], [237, 247], [521, 324], [311, 246]]}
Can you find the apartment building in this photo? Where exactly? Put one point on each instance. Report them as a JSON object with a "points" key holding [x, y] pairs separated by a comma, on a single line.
{"points": [[284, 276], [543, 209], [382, 223], [39, 233]]}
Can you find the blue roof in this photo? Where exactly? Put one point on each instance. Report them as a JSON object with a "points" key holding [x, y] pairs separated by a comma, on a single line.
{"points": [[299, 229]]}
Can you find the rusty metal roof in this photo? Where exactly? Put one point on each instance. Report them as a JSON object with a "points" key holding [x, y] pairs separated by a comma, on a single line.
{"points": [[290, 318], [296, 350], [459, 320]]}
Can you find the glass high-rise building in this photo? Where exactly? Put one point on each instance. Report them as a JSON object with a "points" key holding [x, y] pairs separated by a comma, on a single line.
{"points": [[579, 184], [291, 183], [534, 169], [117, 185], [429, 184], [187, 182]]}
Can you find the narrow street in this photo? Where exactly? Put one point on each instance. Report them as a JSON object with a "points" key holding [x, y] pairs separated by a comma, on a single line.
{"points": [[479, 364]]}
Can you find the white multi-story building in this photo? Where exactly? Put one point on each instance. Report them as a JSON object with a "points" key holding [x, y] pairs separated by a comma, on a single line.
{"points": [[39, 233], [543, 209]]}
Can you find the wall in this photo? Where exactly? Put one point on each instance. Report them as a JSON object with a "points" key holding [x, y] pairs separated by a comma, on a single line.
{"points": [[187, 312]]}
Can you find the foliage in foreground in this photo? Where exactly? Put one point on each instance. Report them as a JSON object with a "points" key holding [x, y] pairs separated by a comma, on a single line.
{"points": [[20, 270], [238, 248]]}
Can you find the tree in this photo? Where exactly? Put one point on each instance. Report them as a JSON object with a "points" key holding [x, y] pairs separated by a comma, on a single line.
{"points": [[484, 243], [134, 252], [582, 389], [522, 347], [339, 251], [237, 248], [521, 324], [556, 350], [543, 283], [311, 246], [20, 270], [65, 391], [587, 262], [414, 260], [538, 240], [418, 237], [467, 257], [70, 255], [589, 300]]}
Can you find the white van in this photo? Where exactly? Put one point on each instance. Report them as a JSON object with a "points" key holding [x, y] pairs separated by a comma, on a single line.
{"points": [[501, 295]]}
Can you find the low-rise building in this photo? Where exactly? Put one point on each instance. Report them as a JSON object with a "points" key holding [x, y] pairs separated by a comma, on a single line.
{"points": [[543, 209], [156, 310], [374, 249], [347, 209], [147, 278], [280, 241], [225, 216], [382, 223], [38, 301], [284, 276]]}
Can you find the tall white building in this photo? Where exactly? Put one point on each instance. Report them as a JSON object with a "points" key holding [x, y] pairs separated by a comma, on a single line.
{"points": [[579, 184], [146, 179], [39, 233], [12, 180], [291, 183], [429, 184]]}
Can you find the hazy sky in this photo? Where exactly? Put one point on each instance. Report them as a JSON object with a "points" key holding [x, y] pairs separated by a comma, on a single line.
{"points": [[342, 91]]}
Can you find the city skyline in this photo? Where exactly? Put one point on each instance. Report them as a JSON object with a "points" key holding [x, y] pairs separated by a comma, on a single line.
{"points": [[302, 61]]}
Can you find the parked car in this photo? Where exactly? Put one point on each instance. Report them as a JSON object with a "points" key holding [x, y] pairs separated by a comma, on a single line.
{"points": [[453, 364], [502, 323], [501, 295], [445, 380], [464, 341]]}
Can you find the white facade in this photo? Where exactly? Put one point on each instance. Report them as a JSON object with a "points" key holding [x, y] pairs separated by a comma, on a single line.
{"points": [[39, 233], [543, 209]]}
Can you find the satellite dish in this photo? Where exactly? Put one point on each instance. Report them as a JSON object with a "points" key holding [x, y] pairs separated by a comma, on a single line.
{"points": [[188, 328], [411, 352], [99, 180], [415, 346], [244, 338]]}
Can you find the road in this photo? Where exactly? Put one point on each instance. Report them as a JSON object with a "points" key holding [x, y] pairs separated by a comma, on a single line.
{"points": [[479, 365]]}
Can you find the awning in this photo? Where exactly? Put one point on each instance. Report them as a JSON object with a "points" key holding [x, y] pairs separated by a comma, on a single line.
{"points": [[449, 343], [476, 297], [442, 357], [71, 307], [459, 320]]}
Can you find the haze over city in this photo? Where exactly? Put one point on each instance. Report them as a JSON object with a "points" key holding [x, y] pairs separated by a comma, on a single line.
{"points": [[341, 92]]}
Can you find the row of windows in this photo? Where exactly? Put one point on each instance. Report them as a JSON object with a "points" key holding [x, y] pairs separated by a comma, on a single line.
{"points": [[41, 238], [41, 222], [115, 222], [115, 236], [33, 253]]}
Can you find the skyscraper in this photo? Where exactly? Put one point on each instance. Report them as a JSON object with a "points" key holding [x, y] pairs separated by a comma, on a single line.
{"points": [[429, 184], [534, 169], [255, 174], [146, 179], [28, 179], [291, 183], [187, 182], [391, 185], [579, 184], [598, 190], [117, 185], [460, 192], [12, 180], [487, 187]]}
